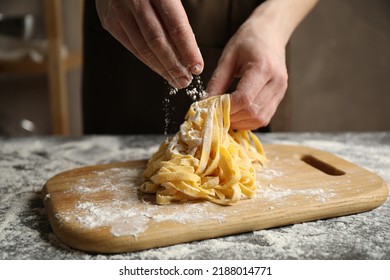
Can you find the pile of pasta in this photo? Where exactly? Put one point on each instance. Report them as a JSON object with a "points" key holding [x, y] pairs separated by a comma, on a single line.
{"points": [[206, 159]]}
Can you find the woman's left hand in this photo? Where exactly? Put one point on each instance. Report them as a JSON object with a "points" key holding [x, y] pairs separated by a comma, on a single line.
{"points": [[259, 61], [256, 55]]}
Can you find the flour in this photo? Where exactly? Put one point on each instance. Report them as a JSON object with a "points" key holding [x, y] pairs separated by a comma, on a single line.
{"points": [[110, 180], [195, 91], [130, 213], [188, 140], [126, 214], [272, 192], [269, 174], [27, 163], [130, 219], [194, 213], [280, 194], [168, 112]]}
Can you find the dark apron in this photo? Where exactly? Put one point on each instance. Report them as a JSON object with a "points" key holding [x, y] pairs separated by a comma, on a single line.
{"points": [[120, 95]]}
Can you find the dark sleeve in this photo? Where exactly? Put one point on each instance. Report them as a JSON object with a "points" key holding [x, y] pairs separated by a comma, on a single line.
{"points": [[121, 95]]}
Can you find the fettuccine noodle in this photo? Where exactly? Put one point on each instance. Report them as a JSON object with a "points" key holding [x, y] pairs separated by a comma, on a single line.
{"points": [[205, 159]]}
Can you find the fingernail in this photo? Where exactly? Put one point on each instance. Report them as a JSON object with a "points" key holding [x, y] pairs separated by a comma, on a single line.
{"points": [[196, 69]]}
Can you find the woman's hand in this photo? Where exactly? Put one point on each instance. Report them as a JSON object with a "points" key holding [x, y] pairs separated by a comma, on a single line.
{"points": [[259, 62], [158, 33], [256, 55]]}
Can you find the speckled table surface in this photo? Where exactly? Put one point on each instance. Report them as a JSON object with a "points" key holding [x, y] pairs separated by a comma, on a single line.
{"points": [[27, 163]]}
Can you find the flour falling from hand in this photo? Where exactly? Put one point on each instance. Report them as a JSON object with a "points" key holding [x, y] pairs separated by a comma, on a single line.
{"points": [[195, 91]]}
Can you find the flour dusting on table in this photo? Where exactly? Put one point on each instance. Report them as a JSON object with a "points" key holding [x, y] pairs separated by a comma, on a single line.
{"points": [[27, 163]]}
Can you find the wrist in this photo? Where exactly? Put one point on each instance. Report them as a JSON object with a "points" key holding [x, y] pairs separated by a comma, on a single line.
{"points": [[281, 17]]}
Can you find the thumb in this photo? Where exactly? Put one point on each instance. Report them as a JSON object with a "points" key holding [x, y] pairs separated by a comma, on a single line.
{"points": [[222, 76]]}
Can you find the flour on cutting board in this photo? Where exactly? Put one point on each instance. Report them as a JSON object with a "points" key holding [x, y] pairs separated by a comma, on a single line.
{"points": [[268, 191], [274, 193], [127, 212]]}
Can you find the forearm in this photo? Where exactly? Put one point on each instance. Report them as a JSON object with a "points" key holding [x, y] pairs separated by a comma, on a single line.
{"points": [[283, 16], [256, 55]]}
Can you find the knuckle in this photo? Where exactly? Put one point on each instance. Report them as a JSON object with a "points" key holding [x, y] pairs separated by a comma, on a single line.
{"points": [[136, 6], [262, 120], [214, 82], [282, 80], [108, 15], [111, 8], [243, 100], [252, 112], [179, 32], [175, 71], [258, 117], [107, 22], [148, 54], [266, 67], [157, 42]]}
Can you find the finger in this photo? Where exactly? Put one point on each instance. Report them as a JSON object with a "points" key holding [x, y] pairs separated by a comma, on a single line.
{"points": [[180, 32], [111, 21], [119, 33], [132, 39], [122, 25], [264, 97], [158, 42], [260, 112], [223, 75], [252, 82], [253, 110], [263, 118]]}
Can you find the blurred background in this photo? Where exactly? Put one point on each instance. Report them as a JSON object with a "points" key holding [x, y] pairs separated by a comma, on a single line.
{"points": [[338, 60]]}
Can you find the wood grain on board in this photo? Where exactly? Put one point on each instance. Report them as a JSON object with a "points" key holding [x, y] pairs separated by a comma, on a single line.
{"points": [[100, 209]]}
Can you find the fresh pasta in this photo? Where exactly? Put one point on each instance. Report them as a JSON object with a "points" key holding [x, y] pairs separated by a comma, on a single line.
{"points": [[206, 159]]}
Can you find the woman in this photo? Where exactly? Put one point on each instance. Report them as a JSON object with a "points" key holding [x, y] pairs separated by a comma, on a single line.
{"points": [[238, 47]]}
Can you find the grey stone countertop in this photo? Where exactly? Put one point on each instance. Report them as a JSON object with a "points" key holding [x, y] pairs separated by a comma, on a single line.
{"points": [[27, 163]]}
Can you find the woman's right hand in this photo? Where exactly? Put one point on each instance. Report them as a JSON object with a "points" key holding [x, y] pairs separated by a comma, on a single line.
{"points": [[158, 33]]}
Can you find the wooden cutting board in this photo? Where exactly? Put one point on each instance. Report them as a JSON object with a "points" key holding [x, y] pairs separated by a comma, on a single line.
{"points": [[100, 209]]}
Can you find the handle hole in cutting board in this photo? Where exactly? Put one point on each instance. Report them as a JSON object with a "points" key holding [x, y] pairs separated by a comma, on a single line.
{"points": [[322, 166]]}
